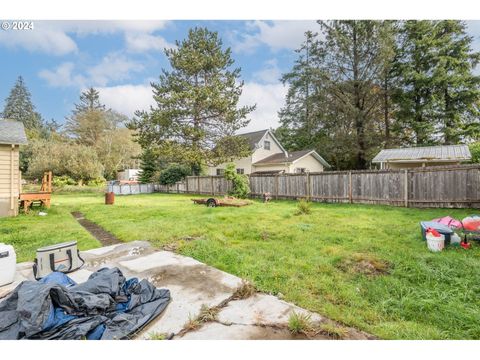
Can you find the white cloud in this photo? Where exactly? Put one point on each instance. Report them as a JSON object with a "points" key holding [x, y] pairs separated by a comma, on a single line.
{"points": [[139, 42], [269, 99], [43, 39], [127, 99], [113, 67], [62, 76], [54, 37], [270, 73], [279, 34]]}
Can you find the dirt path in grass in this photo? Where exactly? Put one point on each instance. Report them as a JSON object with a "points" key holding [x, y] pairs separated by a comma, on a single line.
{"points": [[106, 238]]}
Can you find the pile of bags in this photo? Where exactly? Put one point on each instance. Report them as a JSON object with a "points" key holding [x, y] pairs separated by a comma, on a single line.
{"points": [[444, 231]]}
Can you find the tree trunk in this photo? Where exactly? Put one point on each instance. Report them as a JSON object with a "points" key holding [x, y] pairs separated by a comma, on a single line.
{"points": [[359, 116], [386, 112]]}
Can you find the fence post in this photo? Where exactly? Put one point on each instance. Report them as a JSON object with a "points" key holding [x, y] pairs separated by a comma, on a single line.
{"points": [[211, 186], [186, 185], [198, 184], [406, 187], [276, 186], [350, 197], [307, 185]]}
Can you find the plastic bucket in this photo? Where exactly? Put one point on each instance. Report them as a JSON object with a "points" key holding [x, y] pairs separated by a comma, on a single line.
{"points": [[435, 243]]}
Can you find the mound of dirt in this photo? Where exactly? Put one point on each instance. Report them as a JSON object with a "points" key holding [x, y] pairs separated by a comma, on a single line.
{"points": [[365, 264]]}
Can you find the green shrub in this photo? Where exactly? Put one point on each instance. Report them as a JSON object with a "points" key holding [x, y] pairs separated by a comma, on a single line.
{"points": [[174, 173], [61, 181], [303, 207], [97, 182], [475, 151], [240, 186]]}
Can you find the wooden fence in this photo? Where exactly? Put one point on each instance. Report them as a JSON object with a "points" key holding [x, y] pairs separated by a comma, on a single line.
{"points": [[452, 186]]}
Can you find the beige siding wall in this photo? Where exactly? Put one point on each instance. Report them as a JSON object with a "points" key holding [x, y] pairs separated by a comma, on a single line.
{"points": [[308, 162], [279, 167], [257, 155], [409, 165], [9, 190], [243, 163], [262, 153]]}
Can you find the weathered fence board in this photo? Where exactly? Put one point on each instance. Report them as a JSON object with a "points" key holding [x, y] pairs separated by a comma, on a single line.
{"points": [[452, 186]]}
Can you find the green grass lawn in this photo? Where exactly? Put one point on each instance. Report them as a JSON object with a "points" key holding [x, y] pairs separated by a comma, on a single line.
{"points": [[322, 261]]}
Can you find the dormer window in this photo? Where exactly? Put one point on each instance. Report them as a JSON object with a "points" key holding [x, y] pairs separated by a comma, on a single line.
{"points": [[266, 145]]}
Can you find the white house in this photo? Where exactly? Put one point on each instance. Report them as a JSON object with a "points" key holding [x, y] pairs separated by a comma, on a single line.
{"points": [[269, 156], [128, 175]]}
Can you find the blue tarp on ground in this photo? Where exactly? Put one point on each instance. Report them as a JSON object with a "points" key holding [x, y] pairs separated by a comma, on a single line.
{"points": [[106, 306]]}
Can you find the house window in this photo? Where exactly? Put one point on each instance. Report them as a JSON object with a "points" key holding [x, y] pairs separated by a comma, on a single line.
{"points": [[300, 170], [266, 145], [220, 172], [240, 171]]}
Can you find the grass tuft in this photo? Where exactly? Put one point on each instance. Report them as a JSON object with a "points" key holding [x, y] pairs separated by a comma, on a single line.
{"points": [[157, 336], [332, 330], [304, 207], [207, 314], [244, 291], [299, 323]]}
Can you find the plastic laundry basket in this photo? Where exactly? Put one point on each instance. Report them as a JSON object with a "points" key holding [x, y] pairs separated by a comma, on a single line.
{"points": [[435, 243], [8, 262]]}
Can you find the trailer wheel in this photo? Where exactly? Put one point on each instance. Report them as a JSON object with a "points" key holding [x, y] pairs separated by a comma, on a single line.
{"points": [[211, 202]]}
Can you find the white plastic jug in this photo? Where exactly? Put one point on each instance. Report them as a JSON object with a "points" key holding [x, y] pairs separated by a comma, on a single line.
{"points": [[435, 243], [455, 239], [8, 262]]}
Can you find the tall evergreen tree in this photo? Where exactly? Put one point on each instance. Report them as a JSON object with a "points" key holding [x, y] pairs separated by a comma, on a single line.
{"points": [[415, 95], [388, 82], [89, 100], [19, 106], [196, 102], [352, 65], [301, 117], [457, 87], [148, 165]]}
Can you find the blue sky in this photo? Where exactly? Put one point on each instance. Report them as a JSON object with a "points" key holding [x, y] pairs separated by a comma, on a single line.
{"points": [[60, 58]]}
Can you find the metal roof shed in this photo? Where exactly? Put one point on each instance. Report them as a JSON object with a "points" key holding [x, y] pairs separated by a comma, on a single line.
{"points": [[422, 156]]}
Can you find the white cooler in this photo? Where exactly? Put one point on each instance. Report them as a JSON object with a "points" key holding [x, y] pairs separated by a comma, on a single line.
{"points": [[8, 262]]}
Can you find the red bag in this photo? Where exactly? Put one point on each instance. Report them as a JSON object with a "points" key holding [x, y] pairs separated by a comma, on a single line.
{"points": [[433, 232]]}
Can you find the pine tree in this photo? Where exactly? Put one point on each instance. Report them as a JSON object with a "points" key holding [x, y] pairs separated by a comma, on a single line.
{"points": [[415, 95], [19, 106], [352, 65], [301, 117], [89, 100], [457, 87], [89, 120], [388, 82], [196, 102], [148, 165]]}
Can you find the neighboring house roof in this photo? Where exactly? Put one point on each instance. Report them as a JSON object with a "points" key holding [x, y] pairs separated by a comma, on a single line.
{"points": [[12, 132], [253, 138], [427, 153], [293, 156]]}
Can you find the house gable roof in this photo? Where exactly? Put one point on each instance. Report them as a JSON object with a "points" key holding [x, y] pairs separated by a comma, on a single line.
{"points": [[426, 153], [255, 137], [12, 132], [292, 156]]}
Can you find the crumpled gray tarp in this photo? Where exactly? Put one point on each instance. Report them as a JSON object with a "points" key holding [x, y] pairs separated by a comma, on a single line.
{"points": [[106, 306]]}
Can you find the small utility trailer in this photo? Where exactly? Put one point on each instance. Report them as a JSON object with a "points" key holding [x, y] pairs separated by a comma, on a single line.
{"points": [[227, 201]]}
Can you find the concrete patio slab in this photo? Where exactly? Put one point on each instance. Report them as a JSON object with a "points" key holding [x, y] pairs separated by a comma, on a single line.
{"points": [[261, 309], [192, 285]]}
